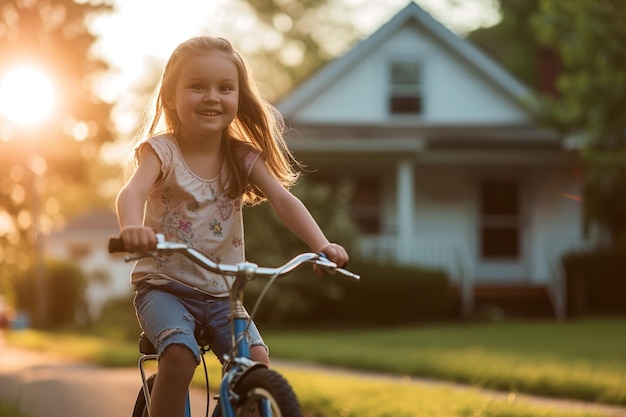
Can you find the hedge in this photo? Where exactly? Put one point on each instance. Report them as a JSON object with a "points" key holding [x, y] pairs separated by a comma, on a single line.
{"points": [[595, 282], [385, 295]]}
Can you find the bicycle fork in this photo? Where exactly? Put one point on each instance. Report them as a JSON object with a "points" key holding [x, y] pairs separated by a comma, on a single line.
{"points": [[242, 364]]}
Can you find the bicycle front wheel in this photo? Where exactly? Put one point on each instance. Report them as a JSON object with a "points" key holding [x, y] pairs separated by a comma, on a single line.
{"points": [[264, 392], [141, 409]]}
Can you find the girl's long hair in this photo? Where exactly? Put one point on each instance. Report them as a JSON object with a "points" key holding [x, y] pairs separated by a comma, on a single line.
{"points": [[257, 124]]}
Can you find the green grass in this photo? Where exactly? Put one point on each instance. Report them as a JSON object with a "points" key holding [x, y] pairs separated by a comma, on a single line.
{"points": [[7, 410], [582, 359], [347, 396]]}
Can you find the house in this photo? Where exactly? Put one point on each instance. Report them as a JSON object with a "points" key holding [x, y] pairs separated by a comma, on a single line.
{"points": [[84, 239], [451, 168]]}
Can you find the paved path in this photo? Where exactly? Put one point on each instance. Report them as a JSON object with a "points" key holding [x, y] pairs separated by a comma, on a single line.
{"points": [[43, 385], [47, 386]]}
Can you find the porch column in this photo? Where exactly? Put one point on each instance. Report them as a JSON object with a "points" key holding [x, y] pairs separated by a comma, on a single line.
{"points": [[405, 209]]}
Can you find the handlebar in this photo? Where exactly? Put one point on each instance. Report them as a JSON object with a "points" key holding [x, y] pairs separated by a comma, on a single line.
{"points": [[251, 270]]}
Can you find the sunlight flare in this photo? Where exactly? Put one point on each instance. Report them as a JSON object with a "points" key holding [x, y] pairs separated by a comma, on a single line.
{"points": [[27, 95]]}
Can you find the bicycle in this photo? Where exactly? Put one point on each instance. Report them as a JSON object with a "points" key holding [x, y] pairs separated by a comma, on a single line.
{"points": [[247, 387]]}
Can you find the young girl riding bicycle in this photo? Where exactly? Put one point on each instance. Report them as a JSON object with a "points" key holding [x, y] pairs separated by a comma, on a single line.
{"points": [[212, 145]]}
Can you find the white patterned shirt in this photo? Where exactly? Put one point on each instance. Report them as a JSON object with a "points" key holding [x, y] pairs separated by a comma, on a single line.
{"points": [[195, 211]]}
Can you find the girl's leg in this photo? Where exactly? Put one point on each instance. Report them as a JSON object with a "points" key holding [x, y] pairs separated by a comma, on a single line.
{"points": [[170, 327], [176, 368]]}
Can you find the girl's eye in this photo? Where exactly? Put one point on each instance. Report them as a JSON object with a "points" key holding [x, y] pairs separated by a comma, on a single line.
{"points": [[226, 88], [197, 87]]}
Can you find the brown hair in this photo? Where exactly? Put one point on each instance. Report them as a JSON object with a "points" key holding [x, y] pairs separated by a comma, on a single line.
{"points": [[257, 124]]}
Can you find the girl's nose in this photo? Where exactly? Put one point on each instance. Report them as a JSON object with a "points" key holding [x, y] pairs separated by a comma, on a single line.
{"points": [[210, 96]]}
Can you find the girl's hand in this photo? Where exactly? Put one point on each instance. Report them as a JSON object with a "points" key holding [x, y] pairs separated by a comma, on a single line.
{"points": [[335, 253], [138, 238]]}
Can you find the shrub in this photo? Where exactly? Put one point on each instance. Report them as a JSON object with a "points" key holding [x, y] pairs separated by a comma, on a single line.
{"points": [[595, 282], [386, 295], [65, 291]]}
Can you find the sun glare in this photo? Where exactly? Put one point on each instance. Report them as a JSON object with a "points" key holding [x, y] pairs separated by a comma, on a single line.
{"points": [[27, 95]]}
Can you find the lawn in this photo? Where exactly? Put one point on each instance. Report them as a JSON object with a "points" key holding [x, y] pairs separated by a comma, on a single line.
{"points": [[583, 359]]}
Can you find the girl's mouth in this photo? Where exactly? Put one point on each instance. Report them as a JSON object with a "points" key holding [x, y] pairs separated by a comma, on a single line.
{"points": [[209, 113]]}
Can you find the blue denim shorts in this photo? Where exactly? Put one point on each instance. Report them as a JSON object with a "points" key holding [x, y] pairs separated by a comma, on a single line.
{"points": [[168, 314]]}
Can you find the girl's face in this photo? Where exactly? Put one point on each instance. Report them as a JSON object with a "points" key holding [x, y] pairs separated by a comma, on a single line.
{"points": [[206, 96]]}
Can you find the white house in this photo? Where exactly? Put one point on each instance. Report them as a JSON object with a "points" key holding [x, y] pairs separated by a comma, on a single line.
{"points": [[451, 167], [85, 240]]}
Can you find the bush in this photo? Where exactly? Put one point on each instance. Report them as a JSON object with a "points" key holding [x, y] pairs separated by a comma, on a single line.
{"points": [[386, 295], [595, 282], [118, 319], [65, 291]]}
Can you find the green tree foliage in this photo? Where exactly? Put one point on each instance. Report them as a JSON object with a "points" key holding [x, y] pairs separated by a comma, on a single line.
{"points": [[589, 36], [512, 41], [304, 35], [48, 170]]}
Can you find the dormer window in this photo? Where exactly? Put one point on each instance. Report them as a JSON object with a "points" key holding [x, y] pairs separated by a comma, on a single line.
{"points": [[405, 96]]}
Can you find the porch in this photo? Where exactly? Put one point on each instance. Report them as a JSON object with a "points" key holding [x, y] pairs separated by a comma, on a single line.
{"points": [[456, 258]]}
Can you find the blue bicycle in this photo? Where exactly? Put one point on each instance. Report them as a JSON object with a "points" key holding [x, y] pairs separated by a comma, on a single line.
{"points": [[247, 388]]}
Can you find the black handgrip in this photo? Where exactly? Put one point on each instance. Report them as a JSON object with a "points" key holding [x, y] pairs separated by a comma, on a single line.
{"points": [[116, 244]]}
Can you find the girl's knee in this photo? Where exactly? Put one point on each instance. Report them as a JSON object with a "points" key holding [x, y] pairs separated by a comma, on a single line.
{"points": [[259, 354], [178, 358]]}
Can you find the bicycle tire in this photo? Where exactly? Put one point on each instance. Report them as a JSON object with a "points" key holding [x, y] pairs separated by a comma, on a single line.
{"points": [[140, 409], [263, 383]]}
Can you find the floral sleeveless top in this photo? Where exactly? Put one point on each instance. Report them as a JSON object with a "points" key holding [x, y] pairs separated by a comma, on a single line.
{"points": [[195, 211]]}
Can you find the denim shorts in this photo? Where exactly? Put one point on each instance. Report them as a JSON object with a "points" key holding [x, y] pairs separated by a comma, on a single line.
{"points": [[168, 314]]}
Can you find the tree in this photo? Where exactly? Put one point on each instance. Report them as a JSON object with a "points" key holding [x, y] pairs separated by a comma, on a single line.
{"points": [[512, 42], [46, 167], [296, 38], [589, 36]]}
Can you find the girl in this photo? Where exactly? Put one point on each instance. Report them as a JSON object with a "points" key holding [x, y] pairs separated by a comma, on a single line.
{"points": [[220, 147]]}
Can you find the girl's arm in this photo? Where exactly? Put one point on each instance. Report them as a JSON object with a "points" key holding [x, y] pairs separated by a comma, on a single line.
{"points": [[293, 213], [131, 202]]}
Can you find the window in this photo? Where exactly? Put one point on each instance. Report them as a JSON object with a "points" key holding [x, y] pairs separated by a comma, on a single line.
{"points": [[500, 218], [365, 206], [406, 88]]}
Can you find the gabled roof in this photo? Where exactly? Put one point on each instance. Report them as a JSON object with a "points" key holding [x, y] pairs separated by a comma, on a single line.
{"points": [[411, 13]]}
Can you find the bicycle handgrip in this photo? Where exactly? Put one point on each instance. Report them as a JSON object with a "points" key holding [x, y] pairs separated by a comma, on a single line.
{"points": [[349, 275], [116, 244], [344, 272]]}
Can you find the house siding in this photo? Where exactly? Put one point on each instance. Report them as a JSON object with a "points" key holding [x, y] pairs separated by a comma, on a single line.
{"points": [[454, 93]]}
